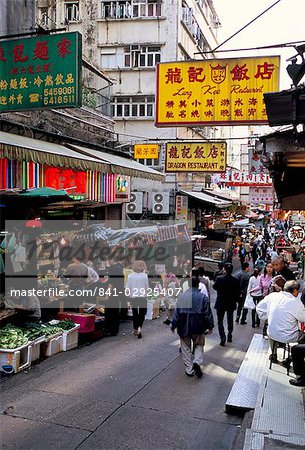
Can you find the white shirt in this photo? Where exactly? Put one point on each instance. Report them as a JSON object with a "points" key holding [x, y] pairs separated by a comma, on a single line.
{"points": [[203, 289], [284, 312], [137, 285], [253, 283]]}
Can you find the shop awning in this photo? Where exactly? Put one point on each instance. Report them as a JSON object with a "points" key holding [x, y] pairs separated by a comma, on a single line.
{"points": [[13, 146], [121, 165], [207, 198]]}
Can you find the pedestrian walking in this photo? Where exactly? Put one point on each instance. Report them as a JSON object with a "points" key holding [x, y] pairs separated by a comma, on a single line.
{"points": [[193, 319], [136, 289], [116, 301], [228, 293], [243, 277], [254, 291]]}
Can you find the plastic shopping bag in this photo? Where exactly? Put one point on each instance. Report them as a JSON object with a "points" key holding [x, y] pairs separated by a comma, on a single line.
{"points": [[249, 303]]}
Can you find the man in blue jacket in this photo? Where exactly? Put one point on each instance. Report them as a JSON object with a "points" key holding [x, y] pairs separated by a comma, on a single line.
{"points": [[193, 319]]}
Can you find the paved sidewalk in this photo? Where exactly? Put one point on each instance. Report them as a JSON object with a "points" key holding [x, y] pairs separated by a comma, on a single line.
{"points": [[125, 393]]}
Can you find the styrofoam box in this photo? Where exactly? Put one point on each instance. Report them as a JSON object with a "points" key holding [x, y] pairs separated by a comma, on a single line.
{"points": [[70, 338], [19, 358], [36, 348], [53, 345]]}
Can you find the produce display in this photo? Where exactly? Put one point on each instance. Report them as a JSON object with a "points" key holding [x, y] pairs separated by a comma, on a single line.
{"points": [[49, 330], [12, 337], [66, 324]]}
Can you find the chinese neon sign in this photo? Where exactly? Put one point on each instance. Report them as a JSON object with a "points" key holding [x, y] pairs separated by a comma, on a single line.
{"points": [[42, 71], [196, 157], [225, 92]]}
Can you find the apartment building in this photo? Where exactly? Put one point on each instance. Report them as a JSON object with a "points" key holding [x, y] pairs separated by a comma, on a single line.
{"points": [[126, 39]]}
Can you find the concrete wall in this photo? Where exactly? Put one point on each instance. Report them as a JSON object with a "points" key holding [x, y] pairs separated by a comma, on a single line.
{"points": [[17, 16]]}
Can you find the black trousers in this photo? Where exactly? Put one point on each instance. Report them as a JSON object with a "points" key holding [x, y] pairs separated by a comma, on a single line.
{"points": [[298, 359], [255, 318], [139, 310], [241, 311], [220, 319]]}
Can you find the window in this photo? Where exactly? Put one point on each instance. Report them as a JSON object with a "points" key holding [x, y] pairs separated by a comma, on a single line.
{"points": [[149, 162], [136, 106], [123, 9], [44, 17], [112, 57], [71, 11], [142, 55]]}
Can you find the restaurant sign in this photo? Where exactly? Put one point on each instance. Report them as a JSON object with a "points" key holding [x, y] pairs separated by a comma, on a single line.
{"points": [[236, 178], [195, 157], [224, 92], [39, 72], [143, 151]]}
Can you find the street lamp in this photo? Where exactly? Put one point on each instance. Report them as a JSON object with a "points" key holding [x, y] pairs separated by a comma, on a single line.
{"points": [[297, 71]]}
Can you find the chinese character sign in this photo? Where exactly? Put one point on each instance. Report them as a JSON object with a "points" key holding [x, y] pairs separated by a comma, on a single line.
{"points": [[225, 92], [64, 178], [261, 196], [42, 71], [236, 178], [296, 234], [196, 157], [149, 151], [181, 208]]}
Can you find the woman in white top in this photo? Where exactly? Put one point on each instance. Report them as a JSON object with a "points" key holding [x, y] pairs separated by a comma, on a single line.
{"points": [[254, 291], [136, 289]]}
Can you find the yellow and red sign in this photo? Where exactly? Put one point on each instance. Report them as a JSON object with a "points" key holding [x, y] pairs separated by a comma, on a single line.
{"points": [[181, 208], [143, 151], [196, 157], [224, 92]]}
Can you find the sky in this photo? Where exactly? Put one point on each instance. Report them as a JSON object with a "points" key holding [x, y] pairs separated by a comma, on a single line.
{"points": [[285, 22]]}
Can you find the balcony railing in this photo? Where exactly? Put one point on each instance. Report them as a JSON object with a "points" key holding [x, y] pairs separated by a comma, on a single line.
{"points": [[130, 9]]}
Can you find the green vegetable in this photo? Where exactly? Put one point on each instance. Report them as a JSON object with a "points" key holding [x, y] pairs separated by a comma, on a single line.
{"points": [[12, 337], [66, 324]]}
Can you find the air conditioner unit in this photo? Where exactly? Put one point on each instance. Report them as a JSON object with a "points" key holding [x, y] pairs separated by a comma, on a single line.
{"points": [[135, 206], [160, 203]]}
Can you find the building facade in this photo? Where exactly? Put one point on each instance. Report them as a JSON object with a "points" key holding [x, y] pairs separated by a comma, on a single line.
{"points": [[126, 40]]}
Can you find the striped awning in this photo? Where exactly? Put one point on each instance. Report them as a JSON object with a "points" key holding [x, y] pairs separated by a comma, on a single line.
{"points": [[20, 148], [121, 165]]}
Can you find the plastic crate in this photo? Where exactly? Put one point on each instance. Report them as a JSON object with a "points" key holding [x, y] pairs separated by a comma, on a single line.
{"points": [[70, 338], [86, 321], [37, 348], [53, 344], [19, 358]]}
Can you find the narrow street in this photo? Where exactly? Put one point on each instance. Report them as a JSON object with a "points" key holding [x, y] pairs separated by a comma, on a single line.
{"points": [[123, 393]]}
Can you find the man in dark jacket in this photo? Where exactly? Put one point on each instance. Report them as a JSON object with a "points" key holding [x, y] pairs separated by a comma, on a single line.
{"points": [[243, 277], [193, 319], [228, 293]]}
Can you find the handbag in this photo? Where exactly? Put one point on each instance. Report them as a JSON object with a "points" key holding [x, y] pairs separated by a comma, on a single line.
{"points": [[249, 303]]}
